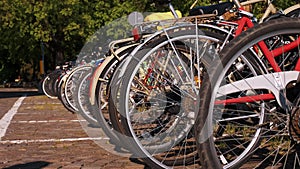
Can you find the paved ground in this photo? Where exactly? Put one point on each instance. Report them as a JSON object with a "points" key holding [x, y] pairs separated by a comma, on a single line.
{"points": [[41, 133]]}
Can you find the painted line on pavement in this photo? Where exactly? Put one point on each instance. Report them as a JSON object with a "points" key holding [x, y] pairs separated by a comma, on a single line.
{"points": [[42, 103], [6, 119], [45, 121], [53, 140]]}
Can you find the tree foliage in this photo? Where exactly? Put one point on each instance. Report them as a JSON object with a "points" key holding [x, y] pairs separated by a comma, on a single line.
{"points": [[62, 27]]}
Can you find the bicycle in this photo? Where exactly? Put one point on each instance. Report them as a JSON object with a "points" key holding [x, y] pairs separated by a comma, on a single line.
{"points": [[157, 34], [126, 93], [51, 80], [250, 100], [100, 84], [67, 86], [215, 28]]}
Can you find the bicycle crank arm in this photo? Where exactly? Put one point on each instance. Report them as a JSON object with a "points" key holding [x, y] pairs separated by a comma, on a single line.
{"points": [[274, 82]]}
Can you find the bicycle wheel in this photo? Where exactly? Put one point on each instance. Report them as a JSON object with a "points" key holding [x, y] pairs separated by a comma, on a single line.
{"points": [[81, 98], [47, 87], [68, 87], [48, 84], [61, 93], [250, 106], [97, 114], [158, 95]]}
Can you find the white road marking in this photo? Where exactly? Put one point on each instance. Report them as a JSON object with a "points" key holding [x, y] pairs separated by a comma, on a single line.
{"points": [[52, 140], [42, 103], [46, 121], [6, 119]]}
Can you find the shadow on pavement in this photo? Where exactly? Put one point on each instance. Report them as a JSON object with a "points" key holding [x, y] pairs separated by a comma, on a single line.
{"points": [[138, 161], [30, 165], [10, 93]]}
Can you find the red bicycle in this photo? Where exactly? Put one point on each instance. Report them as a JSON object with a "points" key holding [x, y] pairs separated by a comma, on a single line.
{"points": [[249, 113]]}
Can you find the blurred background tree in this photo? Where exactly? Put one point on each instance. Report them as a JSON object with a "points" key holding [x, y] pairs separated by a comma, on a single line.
{"points": [[61, 28]]}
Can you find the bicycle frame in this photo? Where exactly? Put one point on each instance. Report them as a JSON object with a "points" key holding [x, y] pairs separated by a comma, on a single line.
{"points": [[243, 23], [102, 66], [271, 9], [137, 46]]}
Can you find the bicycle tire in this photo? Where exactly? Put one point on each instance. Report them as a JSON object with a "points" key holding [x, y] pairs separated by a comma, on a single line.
{"points": [[209, 145], [81, 98], [48, 83], [47, 88], [157, 155], [71, 81], [61, 93]]}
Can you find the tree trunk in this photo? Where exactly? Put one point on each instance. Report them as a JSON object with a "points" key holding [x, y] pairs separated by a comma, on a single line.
{"points": [[59, 57]]}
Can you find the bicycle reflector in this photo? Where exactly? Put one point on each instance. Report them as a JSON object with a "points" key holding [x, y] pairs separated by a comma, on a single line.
{"points": [[136, 32]]}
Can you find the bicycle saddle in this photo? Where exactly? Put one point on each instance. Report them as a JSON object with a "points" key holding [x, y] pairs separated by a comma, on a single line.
{"points": [[218, 9]]}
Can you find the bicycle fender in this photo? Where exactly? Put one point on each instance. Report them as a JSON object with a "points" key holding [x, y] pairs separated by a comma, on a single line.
{"points": [[100, 69], [290, 9], [274, 16]]}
